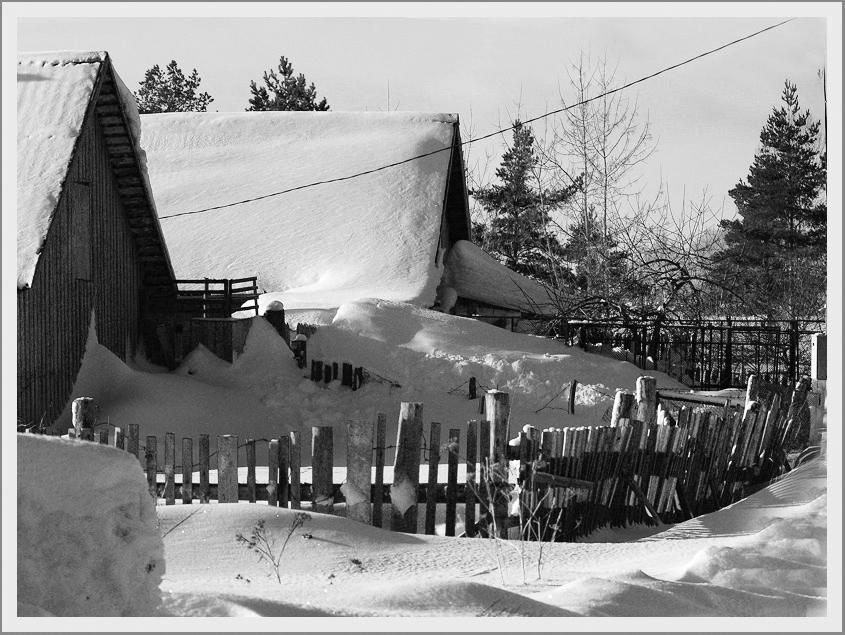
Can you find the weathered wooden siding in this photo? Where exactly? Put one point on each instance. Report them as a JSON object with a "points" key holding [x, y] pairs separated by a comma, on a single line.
{"points": [[54, 315]]}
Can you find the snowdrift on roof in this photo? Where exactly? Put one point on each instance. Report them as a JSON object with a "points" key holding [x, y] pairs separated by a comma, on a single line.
{"points": [[476, 275], [375, 235]]}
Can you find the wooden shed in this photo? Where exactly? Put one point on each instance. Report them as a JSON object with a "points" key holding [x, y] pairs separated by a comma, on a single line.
{"points": [[89, 241]]}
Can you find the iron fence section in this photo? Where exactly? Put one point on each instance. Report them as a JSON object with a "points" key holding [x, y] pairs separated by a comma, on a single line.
{"points": [[710, 355]]}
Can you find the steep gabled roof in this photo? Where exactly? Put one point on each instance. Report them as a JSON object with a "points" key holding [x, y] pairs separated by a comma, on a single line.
{"points": [[375, 235], [58, 92]]}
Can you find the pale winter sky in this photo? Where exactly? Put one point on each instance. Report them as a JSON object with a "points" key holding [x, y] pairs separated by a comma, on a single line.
{"points": [[490, 62]]}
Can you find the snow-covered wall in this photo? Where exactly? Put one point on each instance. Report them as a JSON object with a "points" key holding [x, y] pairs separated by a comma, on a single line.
{"points": [[87, 538]]}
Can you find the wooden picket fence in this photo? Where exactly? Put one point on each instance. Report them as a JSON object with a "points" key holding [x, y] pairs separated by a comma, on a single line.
{"points": [[649, 465]]}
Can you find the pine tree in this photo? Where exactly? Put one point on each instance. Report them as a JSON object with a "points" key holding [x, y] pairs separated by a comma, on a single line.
{"points": [[171, 91], [284, 91], [775, 255], [518, 231]]}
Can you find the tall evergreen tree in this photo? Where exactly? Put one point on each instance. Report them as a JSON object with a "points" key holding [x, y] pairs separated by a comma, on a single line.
{"points": [[518, 231], [284, 91], [171, 91], [775, 254]]}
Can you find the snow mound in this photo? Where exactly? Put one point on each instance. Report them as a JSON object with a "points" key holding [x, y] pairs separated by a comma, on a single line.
{"points": [[450, 598], [87, 538]]}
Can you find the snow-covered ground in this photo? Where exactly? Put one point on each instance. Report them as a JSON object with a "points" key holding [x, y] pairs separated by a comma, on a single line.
{"points": [[764, 556]]}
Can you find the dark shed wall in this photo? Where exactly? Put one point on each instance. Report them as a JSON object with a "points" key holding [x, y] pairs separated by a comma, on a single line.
{"points": [[54, 315]]}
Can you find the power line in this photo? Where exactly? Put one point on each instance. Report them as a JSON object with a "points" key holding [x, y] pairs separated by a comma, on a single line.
{"points": [[487, 136]]}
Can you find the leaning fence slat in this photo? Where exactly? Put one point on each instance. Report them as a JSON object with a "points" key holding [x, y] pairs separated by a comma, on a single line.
{"points": [[152, 466], [295, 464], [284, 468], [431, 489], [452, 481], [273, 472], [227, 468], [471, 477], [406, 469], [322, 469], [187, 470], [359, 465], [378, 487], [250, 470], [119, 438], [205, 490], [169, 468]]}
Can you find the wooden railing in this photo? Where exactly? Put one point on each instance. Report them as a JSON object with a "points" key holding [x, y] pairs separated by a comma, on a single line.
{"points": [[211, 298]]}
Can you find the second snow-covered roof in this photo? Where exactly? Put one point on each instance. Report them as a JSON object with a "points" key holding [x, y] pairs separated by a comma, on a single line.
{"points": [[375, 235]]}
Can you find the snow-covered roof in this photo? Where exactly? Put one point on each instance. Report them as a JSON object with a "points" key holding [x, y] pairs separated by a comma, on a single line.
{"points": [[375, 235], [54, 93], [475, 275]]}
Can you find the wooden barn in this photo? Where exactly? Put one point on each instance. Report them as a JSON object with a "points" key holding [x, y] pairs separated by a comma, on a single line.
{"points": [[89, 244]]}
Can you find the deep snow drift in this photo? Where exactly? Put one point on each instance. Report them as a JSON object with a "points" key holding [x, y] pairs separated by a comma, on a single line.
{"points": [[88, 542], [412, 354]]}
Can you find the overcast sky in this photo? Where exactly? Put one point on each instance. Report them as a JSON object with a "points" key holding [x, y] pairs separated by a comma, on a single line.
{"points": [[705, 117]]}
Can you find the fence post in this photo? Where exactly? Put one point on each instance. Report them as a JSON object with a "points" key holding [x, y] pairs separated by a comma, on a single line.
{"points": [[150, 455], [623, 407], [471, 484], [359, 462], [204, 493], [133, 443], [452, 481], [273, 472], [250, 470], [498, 412], [647, 399], [295, 464], [752, 392], [378, 487], [284, 466], [818, 359], [406, 468], [322, 469], [431, 489], [727, 373], [187, 470], [119, 438], [169, 468], [227, 468], [84, 415], [793, 350]]}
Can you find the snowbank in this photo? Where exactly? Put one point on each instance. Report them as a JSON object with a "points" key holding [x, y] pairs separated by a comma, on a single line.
{"points": [[87, 537], [409, 353]]}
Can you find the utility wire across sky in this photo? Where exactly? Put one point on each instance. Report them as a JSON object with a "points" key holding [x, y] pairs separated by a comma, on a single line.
{"points": [[487, 136]]}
